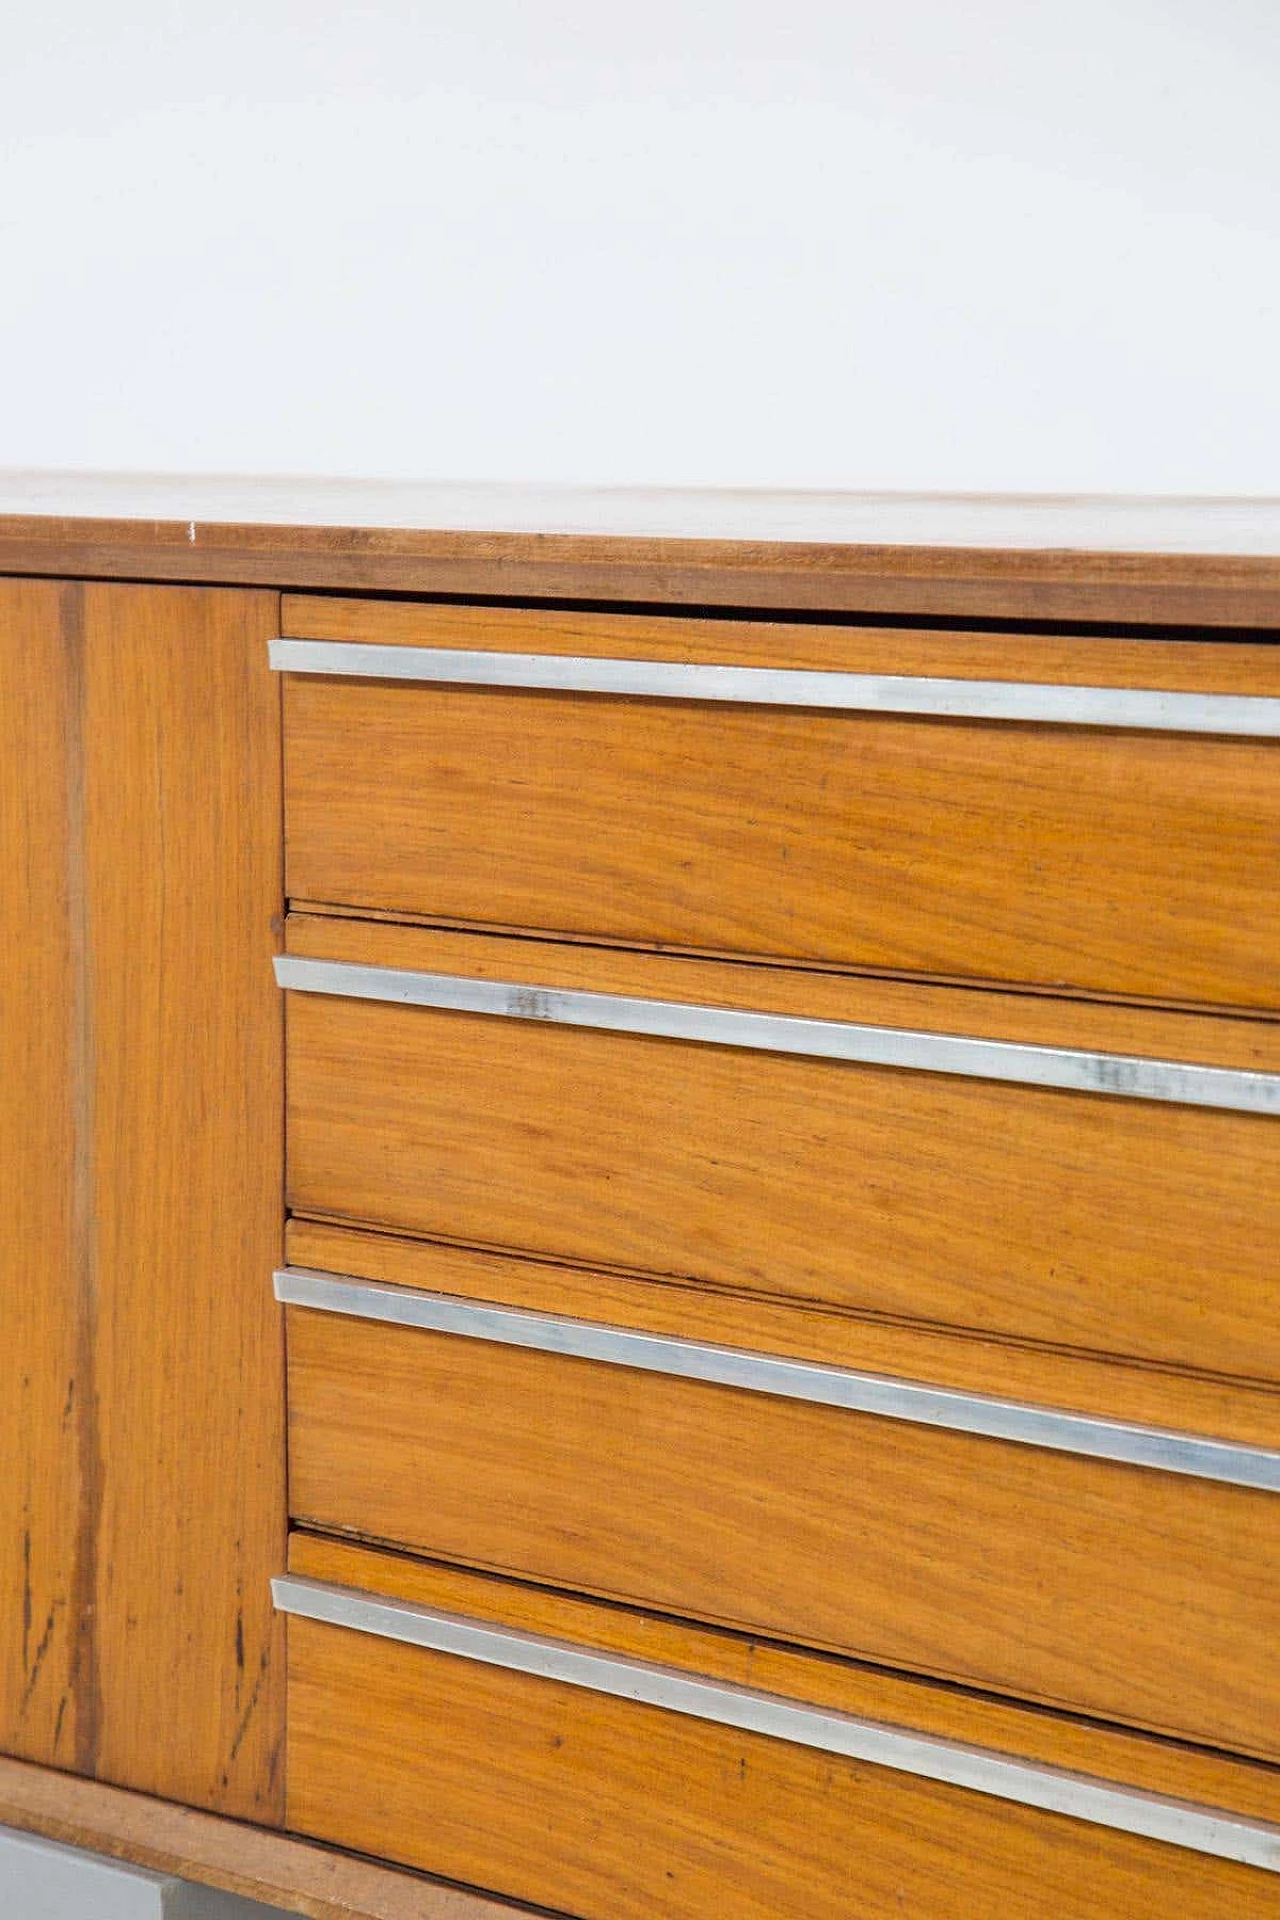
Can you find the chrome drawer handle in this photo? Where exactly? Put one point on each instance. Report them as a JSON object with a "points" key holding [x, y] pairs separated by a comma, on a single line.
{"points": [[1065, 1068], [1159, 1448], [1207, 1830], [1253, 715]]}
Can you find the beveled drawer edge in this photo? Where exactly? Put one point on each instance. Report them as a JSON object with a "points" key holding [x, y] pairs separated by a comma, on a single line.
{"points": [[985, 1417], [1063, 1069], [1255, 716], [974, 1769]]}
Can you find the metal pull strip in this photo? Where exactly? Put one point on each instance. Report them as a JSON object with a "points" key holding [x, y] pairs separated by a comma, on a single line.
{"points": [[1010, 700], [1178, 1823], [873, 1393], [1064, 1068]]}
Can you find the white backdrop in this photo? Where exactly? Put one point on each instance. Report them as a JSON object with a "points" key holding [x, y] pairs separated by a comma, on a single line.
{"points": [[816, 243]]}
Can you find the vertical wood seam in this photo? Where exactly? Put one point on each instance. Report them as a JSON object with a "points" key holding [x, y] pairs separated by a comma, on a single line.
{"points": [[85, 1679]]}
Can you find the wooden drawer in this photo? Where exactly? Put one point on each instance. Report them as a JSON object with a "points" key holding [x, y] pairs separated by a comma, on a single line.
{"points": [[1096, 1221], [519, 1764], [945, 1534], [1102, 858]]}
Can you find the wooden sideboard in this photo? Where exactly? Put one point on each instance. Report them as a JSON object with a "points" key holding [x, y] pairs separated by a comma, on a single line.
{"points": [[640, 1150]]}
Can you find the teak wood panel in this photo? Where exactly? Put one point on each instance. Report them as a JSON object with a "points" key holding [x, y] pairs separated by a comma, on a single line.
{"points": [[1083, 1383], [1152, 1764], [182, 815], [616, 1811], [1140, 1597], [1107, 861], [149, 1189], [1015, 1211], [46, 1441], [1186, 666]]}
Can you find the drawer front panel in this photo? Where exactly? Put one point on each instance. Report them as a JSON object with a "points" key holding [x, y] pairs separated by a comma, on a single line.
{"points": [[1080, 1582], [1128, 1393], [1117, 1225], [608, 1807], [1138, 863]]}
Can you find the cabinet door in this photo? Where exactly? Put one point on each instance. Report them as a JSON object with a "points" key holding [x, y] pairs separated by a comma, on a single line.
{"points": [[140, 1176]]}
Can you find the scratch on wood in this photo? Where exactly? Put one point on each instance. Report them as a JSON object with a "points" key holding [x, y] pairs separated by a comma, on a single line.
{"points": [[37, 1661], [26, 1599], [243, 1727]]}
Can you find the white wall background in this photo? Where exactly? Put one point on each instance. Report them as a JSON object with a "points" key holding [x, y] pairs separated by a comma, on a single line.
{"points": [[811, 243]]}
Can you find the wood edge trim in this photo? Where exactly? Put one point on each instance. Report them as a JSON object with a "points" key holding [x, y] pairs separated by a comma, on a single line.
{"points": [[993, 582], [1047, 562], [257, 1863]]}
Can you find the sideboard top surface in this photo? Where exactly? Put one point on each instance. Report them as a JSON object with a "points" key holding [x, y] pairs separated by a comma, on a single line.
{"points": [[1182, 561]]}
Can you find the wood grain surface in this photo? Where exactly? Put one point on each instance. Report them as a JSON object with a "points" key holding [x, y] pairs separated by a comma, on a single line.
{"points": [[1197, 1774], [182, 850], [46, 1442], [1108, 861], [1014, 1211], [145, 1465], [1188, 561], [1111, 1389], [1251, 1041], [612, 1809], [1045, 658], [1084, 1584], [294, 1875]]}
